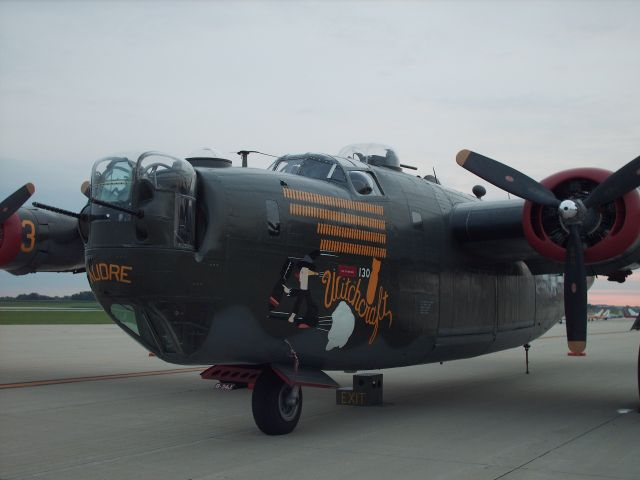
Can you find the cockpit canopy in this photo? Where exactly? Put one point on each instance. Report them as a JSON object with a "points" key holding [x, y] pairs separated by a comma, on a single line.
{"points": [[162, 186], [330, 169], [113, 178], [373, 154], [167, 173], [311, 165]]}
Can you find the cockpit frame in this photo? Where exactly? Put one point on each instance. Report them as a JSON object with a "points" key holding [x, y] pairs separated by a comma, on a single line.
{"points": [[344, 172]]}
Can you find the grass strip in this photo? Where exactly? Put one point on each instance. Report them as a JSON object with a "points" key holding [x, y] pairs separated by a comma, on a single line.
{"points": [[54, 318]]}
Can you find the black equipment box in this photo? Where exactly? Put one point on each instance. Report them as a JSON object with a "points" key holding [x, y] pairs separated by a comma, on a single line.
{"points": [[366, 391]]}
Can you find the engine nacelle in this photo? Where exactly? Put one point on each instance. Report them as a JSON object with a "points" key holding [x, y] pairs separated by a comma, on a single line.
{"points": [[610, 230], [35, 240]]}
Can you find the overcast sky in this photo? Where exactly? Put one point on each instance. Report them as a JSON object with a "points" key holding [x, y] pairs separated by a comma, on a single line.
{"points": [[543, 86]]}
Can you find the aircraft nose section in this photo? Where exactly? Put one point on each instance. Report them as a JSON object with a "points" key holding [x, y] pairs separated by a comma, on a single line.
{"points": [[174, 329]]}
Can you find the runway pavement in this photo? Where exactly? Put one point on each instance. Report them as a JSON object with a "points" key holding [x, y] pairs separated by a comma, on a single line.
{"points": [[483, 418]]}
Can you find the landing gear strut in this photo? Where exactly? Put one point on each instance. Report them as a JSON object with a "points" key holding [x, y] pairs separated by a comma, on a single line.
{"points": [[276, 406]]}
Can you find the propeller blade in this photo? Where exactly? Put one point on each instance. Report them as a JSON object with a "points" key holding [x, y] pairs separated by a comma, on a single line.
{"points": [[620, 182], [13, 202], [506, 178], [575, 293]]}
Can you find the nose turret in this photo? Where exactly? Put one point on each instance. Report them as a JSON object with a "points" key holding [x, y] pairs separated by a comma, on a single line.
{"points": [[143, 202], [141, 252]]}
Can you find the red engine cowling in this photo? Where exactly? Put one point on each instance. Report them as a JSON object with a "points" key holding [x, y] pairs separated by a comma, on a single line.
{"points": [[10, 239], [608, 231]]}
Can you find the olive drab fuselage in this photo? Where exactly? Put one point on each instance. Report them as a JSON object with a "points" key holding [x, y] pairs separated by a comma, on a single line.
{"points": [[245, 265]]}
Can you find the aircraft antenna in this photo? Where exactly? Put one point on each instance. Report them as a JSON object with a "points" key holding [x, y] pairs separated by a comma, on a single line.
{"points": [[245, 156], [435, 175]]}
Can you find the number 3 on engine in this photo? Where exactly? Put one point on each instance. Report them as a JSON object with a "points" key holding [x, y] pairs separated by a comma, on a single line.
{"points": [[30, 236]]}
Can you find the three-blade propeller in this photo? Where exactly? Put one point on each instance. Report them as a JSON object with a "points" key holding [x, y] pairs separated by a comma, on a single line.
{"points": [[13, 202], [572, 214]]}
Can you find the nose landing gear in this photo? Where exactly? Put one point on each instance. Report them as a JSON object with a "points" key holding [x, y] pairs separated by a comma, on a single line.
{"points": [[277, 391], [276, 406]]}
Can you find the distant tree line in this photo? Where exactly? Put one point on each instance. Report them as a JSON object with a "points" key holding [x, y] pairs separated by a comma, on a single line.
{"points": [[30, 297]]}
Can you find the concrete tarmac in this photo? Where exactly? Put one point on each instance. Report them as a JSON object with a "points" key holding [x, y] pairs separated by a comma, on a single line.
{"points": [[483, 418]]}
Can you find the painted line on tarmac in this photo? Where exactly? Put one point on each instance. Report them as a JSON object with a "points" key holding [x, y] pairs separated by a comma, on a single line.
{"points": [[589, 335], [49, 309], [39, 383]]}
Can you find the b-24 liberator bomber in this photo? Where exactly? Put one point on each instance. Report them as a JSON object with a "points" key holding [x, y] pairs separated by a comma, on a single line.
{"points": [[329, 262]]}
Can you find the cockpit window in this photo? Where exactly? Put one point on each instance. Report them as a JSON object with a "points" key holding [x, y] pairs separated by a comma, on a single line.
{"points": [[288, 165], [126, 315], [167, 173], [157, 192], [364, 183], [177, 178], [112, 180], [313, 168], [321, 168]]}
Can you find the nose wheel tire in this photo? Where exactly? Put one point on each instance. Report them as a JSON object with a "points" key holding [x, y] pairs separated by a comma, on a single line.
{"points": [[276, 406]]}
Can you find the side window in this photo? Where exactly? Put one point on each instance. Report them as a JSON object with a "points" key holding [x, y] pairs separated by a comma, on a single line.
{"points": [[416, 219], [273, 218], [184, 221], [289, 166], [364, 183], [336, 174]]}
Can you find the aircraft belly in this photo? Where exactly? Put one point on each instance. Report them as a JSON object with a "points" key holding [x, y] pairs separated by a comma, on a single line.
{"points": [[483, 312]]}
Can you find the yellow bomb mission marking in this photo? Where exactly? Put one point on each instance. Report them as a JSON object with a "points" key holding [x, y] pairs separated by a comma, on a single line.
{"points": [[109, 272]]}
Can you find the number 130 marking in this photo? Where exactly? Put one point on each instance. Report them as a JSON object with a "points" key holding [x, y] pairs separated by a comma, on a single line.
{"points": [[364, 272]]}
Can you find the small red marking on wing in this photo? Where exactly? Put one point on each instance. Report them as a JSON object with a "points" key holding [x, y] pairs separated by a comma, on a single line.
{"points": [[574, 288], [509, 178]]}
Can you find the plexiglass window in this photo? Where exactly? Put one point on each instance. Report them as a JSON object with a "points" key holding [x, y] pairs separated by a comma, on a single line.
{"points": [[321, 168], [364, 183], [112, 180], [126, 315], [176, 179], [167, 173]]}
